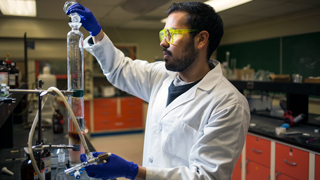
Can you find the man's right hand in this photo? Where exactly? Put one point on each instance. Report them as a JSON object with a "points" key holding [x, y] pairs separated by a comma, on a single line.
{"points": [[88, 20]]}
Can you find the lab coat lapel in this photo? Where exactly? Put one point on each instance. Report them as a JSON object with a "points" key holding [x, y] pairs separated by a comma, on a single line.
{"points": [[183, 98]]}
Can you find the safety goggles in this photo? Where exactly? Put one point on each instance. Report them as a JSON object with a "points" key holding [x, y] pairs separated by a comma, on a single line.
{"points": [[172, 35]]}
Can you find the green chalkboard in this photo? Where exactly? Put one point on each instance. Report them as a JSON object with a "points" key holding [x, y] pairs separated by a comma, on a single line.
{"points": [[301, 54], [297, 54], [263, 54]]}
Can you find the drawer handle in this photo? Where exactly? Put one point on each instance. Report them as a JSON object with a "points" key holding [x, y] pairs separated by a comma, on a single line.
{"points": [[291, 163], [257, 151], [277, 175], [246, 165]]}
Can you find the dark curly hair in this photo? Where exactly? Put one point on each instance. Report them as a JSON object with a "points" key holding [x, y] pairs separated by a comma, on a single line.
{"points": [[201, 17]]}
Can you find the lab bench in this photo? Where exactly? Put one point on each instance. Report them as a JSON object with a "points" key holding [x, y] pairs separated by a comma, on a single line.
{"points": [[270, 156], [285, 156], [13, 157]]}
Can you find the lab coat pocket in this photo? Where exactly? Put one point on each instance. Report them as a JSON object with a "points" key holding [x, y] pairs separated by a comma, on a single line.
{"points": [[181, 139]]}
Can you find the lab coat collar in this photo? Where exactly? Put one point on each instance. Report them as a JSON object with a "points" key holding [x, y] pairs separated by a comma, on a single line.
{"points": [[206, 84], [211, 78]]}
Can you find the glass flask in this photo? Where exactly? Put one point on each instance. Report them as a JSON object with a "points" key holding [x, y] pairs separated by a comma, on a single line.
{"points": [[75, 83], [59, 174]]}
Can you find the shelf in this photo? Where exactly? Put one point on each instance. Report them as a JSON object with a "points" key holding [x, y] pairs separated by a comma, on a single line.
{"points": [[7, 108], [286, 87], [297, 93]]}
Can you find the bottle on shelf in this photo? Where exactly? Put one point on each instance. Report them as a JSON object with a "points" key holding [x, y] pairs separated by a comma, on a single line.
{"points": [[57, 121], [27, 171], [46, 157], [11, 75], [3, 73], [16, 72]]}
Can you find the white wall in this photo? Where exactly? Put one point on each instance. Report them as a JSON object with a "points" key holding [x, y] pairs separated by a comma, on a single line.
{"points": [[293, 24], [50, 39]]}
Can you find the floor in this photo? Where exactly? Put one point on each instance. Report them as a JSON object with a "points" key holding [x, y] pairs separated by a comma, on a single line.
{"points": [[127, 146]]}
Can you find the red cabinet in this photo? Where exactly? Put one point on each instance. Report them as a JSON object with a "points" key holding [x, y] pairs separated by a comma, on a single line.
{"points": [[236, 174], [87, 114], [258, 150], [256, 171], [317, 167], [117, 114], [292, 162], [281, 176], [257, 158]]}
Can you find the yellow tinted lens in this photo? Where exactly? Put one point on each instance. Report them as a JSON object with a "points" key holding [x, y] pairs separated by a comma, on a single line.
{"points": [[168, 36], [161, 35]]}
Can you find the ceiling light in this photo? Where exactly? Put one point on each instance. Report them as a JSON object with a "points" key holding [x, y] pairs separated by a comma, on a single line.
{"points": [[164, 20], [220, 5], [18, 7]]}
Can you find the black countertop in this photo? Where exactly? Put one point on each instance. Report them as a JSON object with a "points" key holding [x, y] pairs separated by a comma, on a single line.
{"points": [[265, 126], [13, 157]]}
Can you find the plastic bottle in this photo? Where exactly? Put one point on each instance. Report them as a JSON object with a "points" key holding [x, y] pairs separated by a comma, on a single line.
{"points": [[57, 122], [47, 78], [16, 71], [46, 158], [11, 75], [27, 171], [3, 73]]}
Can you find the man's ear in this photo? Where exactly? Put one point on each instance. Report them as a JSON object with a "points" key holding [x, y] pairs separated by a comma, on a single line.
{"points": [[202, 39]]}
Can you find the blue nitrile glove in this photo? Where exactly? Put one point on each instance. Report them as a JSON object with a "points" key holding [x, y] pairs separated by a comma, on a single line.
{"points": [[114, 167], [88, 20]]}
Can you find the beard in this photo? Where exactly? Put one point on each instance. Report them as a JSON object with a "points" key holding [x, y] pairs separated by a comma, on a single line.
{"points": [[180, 64]]}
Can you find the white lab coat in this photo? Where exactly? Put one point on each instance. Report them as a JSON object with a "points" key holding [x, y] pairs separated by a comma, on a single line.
{"points": [[199, 135]]}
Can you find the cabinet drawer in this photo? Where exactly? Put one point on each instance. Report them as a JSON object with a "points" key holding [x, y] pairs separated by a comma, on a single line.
{"points": [[103, 125], [292, 162], [281, 176], [317, 167], [256, 171], [132, 113], [110, 103], [258, 150], [131, 102]]}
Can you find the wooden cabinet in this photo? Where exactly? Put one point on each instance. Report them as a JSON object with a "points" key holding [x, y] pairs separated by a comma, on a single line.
{"points": [[236, 174], [317, 167], [292, 162]]}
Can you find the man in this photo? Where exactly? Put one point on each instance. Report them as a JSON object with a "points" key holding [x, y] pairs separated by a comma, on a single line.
{"points": [[197, 120]]}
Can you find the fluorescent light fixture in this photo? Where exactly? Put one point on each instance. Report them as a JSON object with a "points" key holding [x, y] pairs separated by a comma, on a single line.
{"points": [[18, 7], [164, 20], [220, 5]]}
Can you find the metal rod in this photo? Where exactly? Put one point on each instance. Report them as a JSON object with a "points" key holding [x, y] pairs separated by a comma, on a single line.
{"points": [[39, 131], [65, 92]]}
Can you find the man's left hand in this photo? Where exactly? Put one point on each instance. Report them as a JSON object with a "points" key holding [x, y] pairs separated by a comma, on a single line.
{"points": [[114, 167]]}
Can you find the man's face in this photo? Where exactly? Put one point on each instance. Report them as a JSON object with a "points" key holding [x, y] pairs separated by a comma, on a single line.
{"points": [[181, 53]]}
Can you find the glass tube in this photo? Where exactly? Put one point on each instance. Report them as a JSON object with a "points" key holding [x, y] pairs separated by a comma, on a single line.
{"points": [[76, 84]]}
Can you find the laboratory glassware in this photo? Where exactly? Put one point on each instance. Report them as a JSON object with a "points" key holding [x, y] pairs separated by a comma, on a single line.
{"points": [[75, 82]]}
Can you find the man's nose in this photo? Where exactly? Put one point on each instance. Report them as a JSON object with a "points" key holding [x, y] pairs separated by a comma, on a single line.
{"points": [[164, 43]]}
